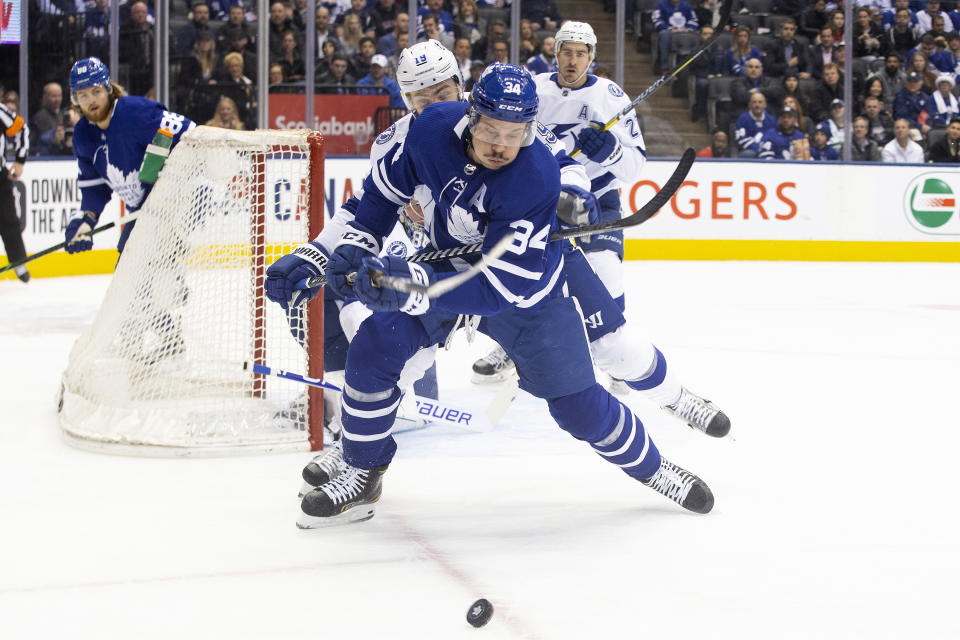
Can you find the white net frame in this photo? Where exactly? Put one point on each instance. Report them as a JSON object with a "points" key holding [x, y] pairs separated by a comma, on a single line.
{"points": [[161, 370]]}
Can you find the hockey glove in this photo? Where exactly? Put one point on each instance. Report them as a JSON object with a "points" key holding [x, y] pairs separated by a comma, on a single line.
{"points": [[306, 261], [597, 143], [383, 299], [78, 235], [356, 243], [577, 207]]}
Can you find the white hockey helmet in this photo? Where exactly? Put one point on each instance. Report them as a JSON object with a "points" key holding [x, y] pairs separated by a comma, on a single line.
{"points": [[424, 65], [571, 31]]}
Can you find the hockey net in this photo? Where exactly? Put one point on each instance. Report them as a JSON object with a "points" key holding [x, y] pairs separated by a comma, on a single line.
{"points": [[161, 370]]}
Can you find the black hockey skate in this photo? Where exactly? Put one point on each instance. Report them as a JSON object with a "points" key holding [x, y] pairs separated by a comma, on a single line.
{"points": [[681, 486], [700, 414], [323, 468], [22, 273], [349, 497], [496, 366]]}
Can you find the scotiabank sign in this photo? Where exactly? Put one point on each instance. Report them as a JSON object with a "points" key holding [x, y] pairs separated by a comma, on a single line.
{"points": [[346, 121]]}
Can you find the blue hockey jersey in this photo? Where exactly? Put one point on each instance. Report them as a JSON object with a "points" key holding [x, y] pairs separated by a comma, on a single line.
{"points": [[109, 159], [749, 132], [776, 145], [474, 204]]}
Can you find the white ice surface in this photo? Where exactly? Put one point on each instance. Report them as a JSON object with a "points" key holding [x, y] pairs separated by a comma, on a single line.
{"points": [[835, 514]]}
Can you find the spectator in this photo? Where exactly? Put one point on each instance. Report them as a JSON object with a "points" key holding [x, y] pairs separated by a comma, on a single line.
{"points": [[461, 51], [834, 125], [947, 149], [740, 51], [350, 35], [299, 16], [49, 117], [187, 35], [327, 52], [136, 49], [787, 54], [59, 140], [910, 103], [542, 14], [545, 61], [96, 30], [890, 15], [804, 122], [403, 41], [954, 19], [280, 23], [226, 116], [754, 80], [337, 78], [499, 52], [814, 19], [751, 125], [275, 74], [862, 148], [197, 71], [368, 25], [938, 30], [706, 66], [468, 22], [444, 19], [431, 31], [387, 43], [791, 87], [942, 106], [325, 31], [384, 14], [235, 25], [495, 31], [902, 37], [476, 69], [823, 53], [240, 45], [872, 87], [819, 150], [879, 122], [836, 21], [529, 42], [892, 77], [719, 146], [378, 78], [705, 10], [362, 61], [785, 142], [232, 75], [869, 42], [291, 58], [952, 54], [930, 12], [902, 149], [670, 17], [830, 88]]}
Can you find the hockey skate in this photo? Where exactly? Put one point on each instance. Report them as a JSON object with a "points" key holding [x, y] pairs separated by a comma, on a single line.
{"points": [[323, 468], [496, 366], [681, 486], [22, 273], [700, 414], [349, 497]]}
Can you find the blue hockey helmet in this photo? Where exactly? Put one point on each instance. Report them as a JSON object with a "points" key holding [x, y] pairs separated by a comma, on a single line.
{"points": [[89, 72], [506, 92]]}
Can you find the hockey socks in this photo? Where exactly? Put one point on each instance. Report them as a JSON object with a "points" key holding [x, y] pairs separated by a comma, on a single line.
{"points": [[367, 424]]}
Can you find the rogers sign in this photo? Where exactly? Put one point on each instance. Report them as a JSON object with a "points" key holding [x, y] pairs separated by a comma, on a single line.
{"points": [[346, 121]]}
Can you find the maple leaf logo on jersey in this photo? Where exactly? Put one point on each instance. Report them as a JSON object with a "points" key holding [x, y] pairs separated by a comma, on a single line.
{"points": [[126, 185], [463, 226]]}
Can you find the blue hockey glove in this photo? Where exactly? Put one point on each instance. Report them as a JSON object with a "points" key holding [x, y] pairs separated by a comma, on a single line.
{"points": [[383, 299], [78, 236], [356, 243], [306, 261], [577, 207], [597, 143]]}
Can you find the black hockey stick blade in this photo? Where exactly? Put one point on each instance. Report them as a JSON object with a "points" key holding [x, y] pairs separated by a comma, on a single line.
{"points": [[57, 247], [644, 213]]}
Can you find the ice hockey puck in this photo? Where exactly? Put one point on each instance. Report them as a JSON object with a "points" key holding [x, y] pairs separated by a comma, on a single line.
{"points": [[480, 612]]}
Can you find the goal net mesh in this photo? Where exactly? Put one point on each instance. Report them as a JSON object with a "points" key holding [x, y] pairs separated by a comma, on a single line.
{"points": [[162, 369]]}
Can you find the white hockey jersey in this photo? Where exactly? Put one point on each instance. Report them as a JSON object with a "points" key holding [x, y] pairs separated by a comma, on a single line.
{"points": [[566, 111]]}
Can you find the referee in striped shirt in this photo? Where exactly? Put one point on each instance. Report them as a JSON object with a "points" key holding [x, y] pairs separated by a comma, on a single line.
{"points": [[14, 127]]}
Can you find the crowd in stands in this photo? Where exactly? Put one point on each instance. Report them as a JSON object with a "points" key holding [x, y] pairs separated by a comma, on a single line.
{"points": [[776, 91]]}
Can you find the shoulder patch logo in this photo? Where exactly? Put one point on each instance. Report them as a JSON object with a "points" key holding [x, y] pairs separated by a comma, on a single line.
{"points": [[386, 136], [616, 91]]}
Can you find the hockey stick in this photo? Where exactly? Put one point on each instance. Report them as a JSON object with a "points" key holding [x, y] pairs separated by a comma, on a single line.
{"points": [[638, 217], [662, 80], [431, 410], [57, 247]]}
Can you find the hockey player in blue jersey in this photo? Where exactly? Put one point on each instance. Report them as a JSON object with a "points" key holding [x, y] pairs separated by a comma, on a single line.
{"points": [[110, 142], [489, 178]]}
